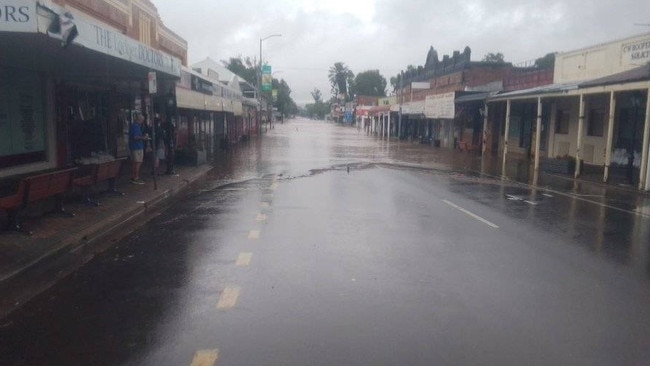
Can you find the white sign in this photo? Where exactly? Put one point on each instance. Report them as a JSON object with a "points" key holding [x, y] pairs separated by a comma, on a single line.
{"points": [[420, 85], [18, 16], [153, 83], [440, 106], [637, 53]]}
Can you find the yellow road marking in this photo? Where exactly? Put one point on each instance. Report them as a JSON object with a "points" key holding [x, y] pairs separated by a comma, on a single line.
{"points": [[228, 298], [205, 357], [254, 234], [244, 259], [274, 186], [261, 217]]}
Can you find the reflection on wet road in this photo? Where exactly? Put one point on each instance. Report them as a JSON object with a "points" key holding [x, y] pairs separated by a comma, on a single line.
{"points": [[319, 245]]}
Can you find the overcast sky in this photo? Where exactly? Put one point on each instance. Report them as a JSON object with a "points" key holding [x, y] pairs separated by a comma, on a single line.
{"points": [[389, 35]]}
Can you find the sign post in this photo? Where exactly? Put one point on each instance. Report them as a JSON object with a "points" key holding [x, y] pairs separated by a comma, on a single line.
{"points": [[153, 89]]}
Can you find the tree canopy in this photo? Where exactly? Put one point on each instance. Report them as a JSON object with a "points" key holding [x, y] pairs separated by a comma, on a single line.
{"points": [[245, 68], [496, 58], [342, 80], [370, 83], [319, 108]]}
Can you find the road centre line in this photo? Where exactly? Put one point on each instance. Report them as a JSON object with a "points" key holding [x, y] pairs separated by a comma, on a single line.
{"points": [[205, 357], [261, 217], [479, 218], [244, 259], [228, 298], [254, 234]]}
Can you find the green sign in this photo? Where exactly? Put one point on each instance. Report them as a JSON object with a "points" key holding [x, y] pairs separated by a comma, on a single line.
{"points": [[266, 78]]}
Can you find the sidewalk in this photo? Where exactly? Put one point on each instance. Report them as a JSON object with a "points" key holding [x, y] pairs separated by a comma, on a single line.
{"points": [[58, 243]]}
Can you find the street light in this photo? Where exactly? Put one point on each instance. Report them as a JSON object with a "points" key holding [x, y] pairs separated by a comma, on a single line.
{"points": [[259, 86]]}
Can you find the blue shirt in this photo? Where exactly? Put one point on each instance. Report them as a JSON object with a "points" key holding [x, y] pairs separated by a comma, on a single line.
{"points": [[135, 131]]}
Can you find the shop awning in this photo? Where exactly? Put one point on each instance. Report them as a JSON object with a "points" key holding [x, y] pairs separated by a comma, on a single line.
{"points": [[97, 51], [477, 97]]}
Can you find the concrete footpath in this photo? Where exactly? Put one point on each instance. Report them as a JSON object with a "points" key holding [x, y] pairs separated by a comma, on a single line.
{"points": [[58, 245]]}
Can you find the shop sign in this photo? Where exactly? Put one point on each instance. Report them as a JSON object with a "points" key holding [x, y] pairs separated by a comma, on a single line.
{"points": [[98, 38], [266, 78], [637, 53], [18, 16], [440, 106]]}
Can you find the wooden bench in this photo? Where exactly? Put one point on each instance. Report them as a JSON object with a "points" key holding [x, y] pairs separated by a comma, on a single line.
{"points": [[105, 171], [35, 188]]}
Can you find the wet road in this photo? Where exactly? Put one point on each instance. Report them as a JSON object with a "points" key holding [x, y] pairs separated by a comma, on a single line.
{"points": [[286, 257]]}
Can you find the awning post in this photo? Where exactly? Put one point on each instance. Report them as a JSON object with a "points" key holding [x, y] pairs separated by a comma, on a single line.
{"points": [[581, 124], [610, 136]]}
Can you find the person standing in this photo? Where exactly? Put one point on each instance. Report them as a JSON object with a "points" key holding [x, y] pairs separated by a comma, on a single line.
{"points": [[170, 144], [136, 144]]}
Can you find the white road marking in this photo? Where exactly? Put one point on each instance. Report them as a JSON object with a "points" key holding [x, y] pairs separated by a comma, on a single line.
{"points": [[531, 202], [261, 217], [254, 234], [228, 298], [205, 357], [244, 259], [479, 218]]}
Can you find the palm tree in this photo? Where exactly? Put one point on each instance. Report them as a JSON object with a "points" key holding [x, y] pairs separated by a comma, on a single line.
{"points": [[341, 78]]}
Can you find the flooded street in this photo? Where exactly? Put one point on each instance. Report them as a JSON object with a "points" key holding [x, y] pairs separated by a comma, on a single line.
{"points": [[320, 245]]}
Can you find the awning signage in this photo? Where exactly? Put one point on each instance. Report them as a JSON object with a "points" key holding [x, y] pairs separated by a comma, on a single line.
{"points": [[440, 106], [18, 16], [637, 53], [102, 39]]}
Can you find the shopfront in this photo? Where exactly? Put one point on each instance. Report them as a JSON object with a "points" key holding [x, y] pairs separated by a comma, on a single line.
{"points": [[70, 95]]}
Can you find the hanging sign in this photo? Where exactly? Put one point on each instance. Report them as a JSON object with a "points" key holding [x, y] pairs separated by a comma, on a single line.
{"points": [[153, 83]]}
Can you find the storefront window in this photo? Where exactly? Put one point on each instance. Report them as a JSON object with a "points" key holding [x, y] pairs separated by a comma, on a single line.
{"points": [[596, 122], [22, 118]]}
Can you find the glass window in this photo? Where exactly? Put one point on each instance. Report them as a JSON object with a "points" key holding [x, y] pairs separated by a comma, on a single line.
{"points": [[562, 122], [596, 122]]}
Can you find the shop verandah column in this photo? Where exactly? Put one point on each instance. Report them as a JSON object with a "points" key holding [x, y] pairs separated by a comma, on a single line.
{"points": [[538, 134], [581, 126], [505, 138], [645, 174], [610, 136]]}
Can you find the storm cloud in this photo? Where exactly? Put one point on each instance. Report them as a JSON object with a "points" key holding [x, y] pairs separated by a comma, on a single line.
{"points": [[388, 35]]}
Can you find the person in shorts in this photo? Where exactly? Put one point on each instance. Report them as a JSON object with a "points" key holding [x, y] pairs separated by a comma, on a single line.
{"points": [[136, 144]]}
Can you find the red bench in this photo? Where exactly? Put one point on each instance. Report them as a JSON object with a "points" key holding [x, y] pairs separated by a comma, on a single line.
{"points": [[105, 171], [35, 188]]}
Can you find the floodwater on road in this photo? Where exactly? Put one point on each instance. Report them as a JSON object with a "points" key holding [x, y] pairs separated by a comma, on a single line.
{"points": [[320, 245]]}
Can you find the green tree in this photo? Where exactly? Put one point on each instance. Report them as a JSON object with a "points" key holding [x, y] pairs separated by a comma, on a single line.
{"points": [[341, 79], [319, 108], [245, 68], [546, 62], [284, 103], [370, 83], [495, 58]]}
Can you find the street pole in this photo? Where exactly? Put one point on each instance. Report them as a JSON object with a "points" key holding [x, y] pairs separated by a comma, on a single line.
{"points": [[259, 86]]}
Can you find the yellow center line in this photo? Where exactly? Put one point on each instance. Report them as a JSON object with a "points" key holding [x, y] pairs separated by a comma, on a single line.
{"points": [[205, 357], [261, 217], [244, 259], [254, 234], [228, 298]]}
